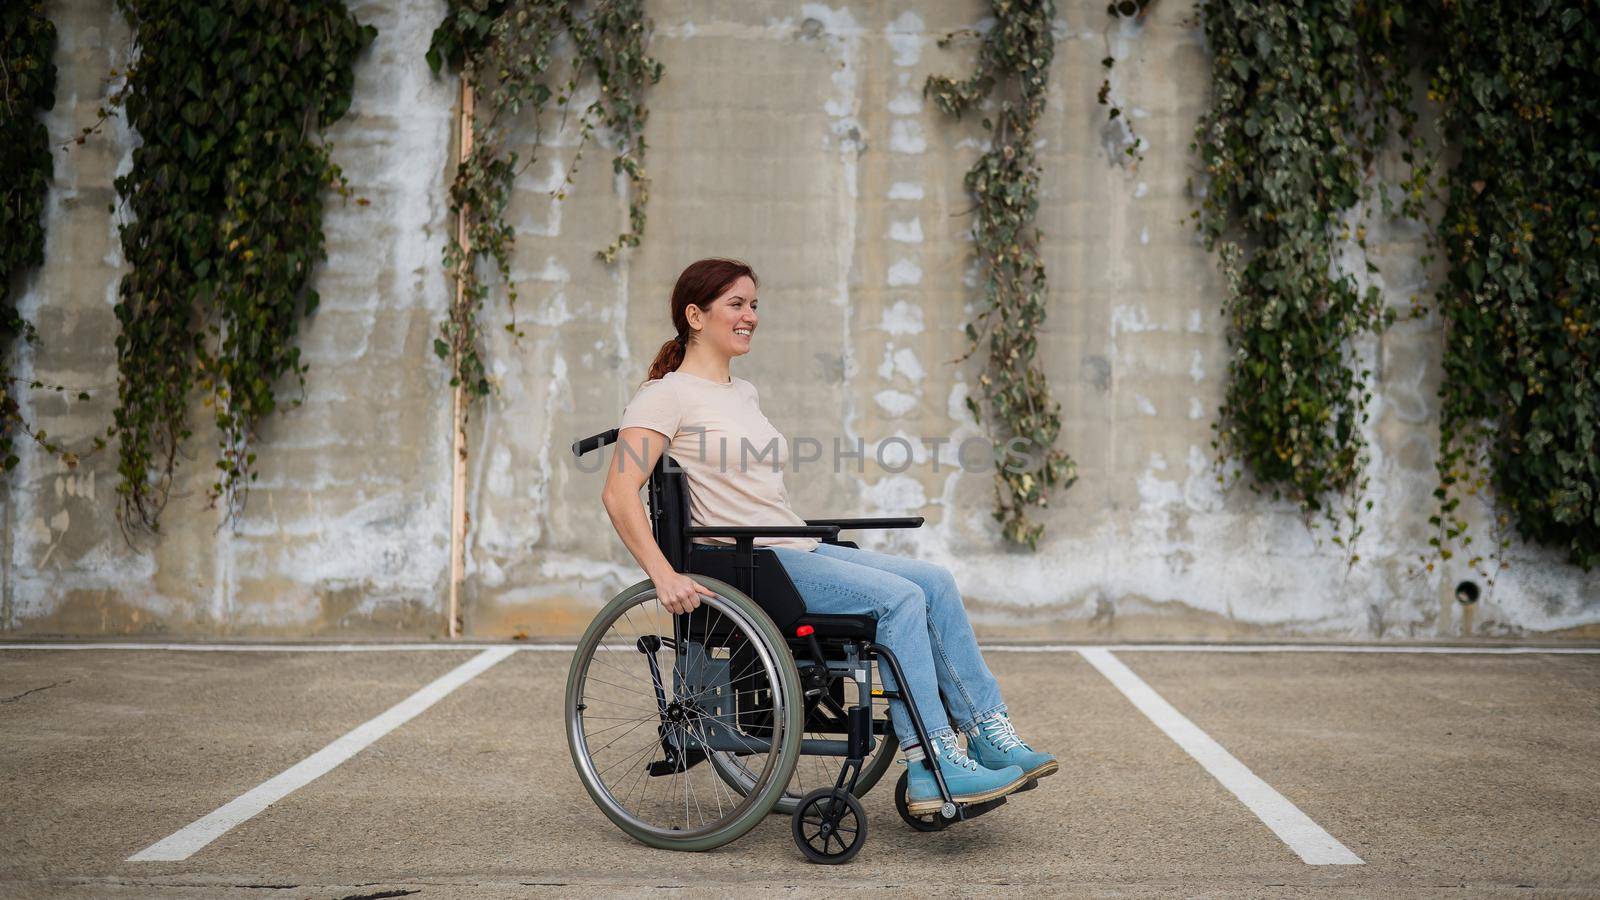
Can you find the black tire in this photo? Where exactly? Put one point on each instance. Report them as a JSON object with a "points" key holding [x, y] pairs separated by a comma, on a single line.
{"points": [[923, 822], [825, 843]]}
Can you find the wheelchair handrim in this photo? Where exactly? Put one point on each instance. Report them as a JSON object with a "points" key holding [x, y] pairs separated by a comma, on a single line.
{"points": [[578, 739]]}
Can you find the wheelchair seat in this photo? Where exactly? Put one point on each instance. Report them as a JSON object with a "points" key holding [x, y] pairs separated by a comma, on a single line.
{"points": [[776, 594], [769, 585]]}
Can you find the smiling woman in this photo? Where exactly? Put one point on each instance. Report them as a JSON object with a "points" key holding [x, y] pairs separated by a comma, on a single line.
{"points": [[711, 421], [694, 407]]}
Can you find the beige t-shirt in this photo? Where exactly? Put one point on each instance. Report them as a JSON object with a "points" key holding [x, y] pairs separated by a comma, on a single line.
{"points": [[731, 455]]}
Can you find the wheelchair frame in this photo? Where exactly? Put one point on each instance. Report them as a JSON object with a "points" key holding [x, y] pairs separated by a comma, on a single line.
{"points": [[826, 649]]}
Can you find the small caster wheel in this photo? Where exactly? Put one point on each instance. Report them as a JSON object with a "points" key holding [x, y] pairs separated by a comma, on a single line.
{"points": [[920, 821], [830, 826]]}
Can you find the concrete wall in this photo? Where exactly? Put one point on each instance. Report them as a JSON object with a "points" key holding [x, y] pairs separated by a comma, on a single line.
{"points": [[793, 135]]}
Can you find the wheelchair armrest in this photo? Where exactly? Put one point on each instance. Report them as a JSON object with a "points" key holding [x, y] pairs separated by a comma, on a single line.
{"points": [[755, 531], [890, 522]]}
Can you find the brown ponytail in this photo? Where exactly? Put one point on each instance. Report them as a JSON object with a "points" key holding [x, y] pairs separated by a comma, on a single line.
{"points": [[668, 359], [701, 283]]}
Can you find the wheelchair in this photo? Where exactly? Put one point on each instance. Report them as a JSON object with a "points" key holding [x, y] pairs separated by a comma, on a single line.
{"points": [[688, 730]]}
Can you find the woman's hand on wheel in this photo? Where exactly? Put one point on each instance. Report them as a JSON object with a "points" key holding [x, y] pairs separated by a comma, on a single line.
{"points": [[679, 593]]}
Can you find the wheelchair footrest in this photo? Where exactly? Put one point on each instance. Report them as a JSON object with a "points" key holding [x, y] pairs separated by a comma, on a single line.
{"points": [[974, 810]]}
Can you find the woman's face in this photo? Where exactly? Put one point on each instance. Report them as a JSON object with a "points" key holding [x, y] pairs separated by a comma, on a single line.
{"points": [[731, 320]]}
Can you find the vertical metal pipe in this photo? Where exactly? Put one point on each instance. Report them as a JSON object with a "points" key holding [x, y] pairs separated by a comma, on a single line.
{"points": [[458, 412]]}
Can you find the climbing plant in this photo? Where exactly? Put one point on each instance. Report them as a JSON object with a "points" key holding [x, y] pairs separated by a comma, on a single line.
{"points": [[1305, 94], [1013, 68], [27, 89], [1519, 94], [524, 58], [1121, 11], [223, 224]]}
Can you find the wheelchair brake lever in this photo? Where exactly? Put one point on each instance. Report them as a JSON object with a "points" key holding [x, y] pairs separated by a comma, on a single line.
{"points": [[819, 681], [810, 634]]}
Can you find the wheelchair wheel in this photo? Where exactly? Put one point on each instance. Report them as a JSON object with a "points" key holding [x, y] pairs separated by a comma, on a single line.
{"points": [[650, 694], [812, 771], [829, 826]]}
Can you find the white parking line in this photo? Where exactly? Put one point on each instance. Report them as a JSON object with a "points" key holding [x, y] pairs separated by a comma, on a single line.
{"points": [[1284, 648], [1305, 837], [186, 841]]}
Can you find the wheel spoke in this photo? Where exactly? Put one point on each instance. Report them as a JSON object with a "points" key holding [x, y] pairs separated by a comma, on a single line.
{"points": [[622, 735], [590, 734]]}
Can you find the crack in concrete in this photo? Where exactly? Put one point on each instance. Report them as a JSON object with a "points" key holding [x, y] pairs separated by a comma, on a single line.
{"points": [[36, 690]]}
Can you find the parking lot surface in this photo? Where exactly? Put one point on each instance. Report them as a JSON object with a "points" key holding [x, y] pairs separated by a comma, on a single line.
{"points": [[1185, 771]]}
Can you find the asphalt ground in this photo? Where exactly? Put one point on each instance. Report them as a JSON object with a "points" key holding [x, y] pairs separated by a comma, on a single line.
{"points": [[1461, 774]]}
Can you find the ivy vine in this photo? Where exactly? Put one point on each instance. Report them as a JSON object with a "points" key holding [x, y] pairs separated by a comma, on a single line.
{"points": [[27, 89], [225, 197], [1305, 94], [1520, 400], [509, 54], [1013, 67], [1130, 11]]}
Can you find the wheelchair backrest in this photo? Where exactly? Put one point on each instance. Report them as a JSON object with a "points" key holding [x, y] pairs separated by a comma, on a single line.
{"points": [[667, 491], [769, 586], [669, 511]]}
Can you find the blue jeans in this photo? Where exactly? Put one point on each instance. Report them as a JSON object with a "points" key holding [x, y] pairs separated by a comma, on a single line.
{"points": [[920, 619]]}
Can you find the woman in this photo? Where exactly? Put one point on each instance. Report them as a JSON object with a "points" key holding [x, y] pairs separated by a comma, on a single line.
{"points": [[692, 406]]}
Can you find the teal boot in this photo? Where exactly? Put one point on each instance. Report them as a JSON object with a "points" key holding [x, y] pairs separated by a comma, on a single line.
{"points": [[993, 742], [968, 781]]}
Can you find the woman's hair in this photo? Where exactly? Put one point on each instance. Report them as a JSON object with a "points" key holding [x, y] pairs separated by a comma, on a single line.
{"points": [[701, 283]]}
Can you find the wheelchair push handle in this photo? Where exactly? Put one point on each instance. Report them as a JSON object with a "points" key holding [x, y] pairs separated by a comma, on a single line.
{"points": [[594, 442]]}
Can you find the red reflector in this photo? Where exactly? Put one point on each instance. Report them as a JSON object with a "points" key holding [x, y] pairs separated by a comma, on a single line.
{"points": [[804, 631]]}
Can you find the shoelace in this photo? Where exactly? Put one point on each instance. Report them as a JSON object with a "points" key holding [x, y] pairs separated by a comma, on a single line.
{"points": [[1002, 734], [957, 756]]}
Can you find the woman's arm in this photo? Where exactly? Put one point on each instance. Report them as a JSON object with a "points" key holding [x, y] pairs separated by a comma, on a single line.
{"points": [[637, 451]]}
